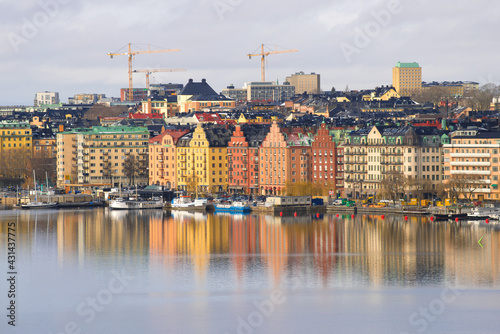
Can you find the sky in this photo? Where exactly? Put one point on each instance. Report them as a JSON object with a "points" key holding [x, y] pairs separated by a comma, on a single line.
{"points": [[62, 45]]}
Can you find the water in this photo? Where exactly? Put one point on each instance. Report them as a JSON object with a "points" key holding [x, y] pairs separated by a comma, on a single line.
{"points": [[100, 271]]}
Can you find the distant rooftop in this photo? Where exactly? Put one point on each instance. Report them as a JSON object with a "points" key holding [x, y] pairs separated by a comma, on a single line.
{"points": [[407, 65]]}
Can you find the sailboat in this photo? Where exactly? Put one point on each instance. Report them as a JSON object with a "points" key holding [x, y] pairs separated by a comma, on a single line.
{"points": [[36, 204]]}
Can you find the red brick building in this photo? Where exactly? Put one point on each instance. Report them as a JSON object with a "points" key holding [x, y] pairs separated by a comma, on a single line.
{"points": [[324, 159], [243, 158]]}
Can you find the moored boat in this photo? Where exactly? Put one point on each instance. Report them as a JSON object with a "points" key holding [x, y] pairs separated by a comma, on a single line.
{"points": [[236, 206], [135, 204], [185, 203], [39, 205]]}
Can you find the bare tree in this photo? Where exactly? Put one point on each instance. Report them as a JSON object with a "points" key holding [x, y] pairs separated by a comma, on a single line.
{"points": [[393, 185], [130, 168]]}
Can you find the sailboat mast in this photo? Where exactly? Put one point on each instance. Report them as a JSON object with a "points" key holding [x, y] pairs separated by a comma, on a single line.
{"points": [[34, 182]]}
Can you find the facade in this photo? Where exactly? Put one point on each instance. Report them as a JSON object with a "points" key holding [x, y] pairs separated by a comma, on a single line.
{"points": [[193, 89], [166, 106], [139, 94], [44, 147], [100, 155], [15, 145], [371, 154], [268, 91], [305, 83], [86, 98], [473, 155], [243, 158], [202, 160], [284, 160], [407, 78], [162, 158], [237, 94], [45, 98], [324, 159]]}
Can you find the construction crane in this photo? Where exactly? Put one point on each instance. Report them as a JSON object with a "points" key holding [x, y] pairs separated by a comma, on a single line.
{"points": [[263, 56], [148, 72], [130, 56]]}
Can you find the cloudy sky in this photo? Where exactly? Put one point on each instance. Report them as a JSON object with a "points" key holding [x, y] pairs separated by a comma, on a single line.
{"points": [[62, 45]]}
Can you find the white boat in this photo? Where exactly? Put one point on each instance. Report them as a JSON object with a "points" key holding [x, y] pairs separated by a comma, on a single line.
{"points": [[135, 204], [185, 203], [484, 213]]}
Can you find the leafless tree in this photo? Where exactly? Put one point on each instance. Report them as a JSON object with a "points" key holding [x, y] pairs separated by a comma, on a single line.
{"points": [[130, 168], [393, 185]]}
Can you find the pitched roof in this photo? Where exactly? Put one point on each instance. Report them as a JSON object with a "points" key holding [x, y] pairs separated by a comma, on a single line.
{"points": [[197, 88]]}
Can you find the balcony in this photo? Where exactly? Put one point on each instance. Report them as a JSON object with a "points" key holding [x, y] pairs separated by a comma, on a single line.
{"points": [[143, 153], [229, 154], [127, 153], [244, 153], [245, 169], [471, 172], [105, 153], [470, 164], [256, 177]]}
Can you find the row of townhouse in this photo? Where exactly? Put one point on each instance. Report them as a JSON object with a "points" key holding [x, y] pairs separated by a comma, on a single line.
{"points": [[252, 158]]}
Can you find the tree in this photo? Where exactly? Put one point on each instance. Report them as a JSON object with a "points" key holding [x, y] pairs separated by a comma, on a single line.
{"points": [[393, 185], [463, 186], [481, 98], [130, 168], [45, 164], [100, 110], [431, 94]]}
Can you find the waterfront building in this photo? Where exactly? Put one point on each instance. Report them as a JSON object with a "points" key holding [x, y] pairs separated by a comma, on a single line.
{"points": [[243, 158], [103, 155], [373, 153], [284, 159], [163, 158], [202, 159], [472, 155], [324, 159], [407, 78]]}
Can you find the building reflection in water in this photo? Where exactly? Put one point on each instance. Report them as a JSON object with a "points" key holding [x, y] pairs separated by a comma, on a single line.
{"points": [[329, 250]]}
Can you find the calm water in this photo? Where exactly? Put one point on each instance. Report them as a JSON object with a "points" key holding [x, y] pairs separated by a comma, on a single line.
{"points": [[100, 271]]}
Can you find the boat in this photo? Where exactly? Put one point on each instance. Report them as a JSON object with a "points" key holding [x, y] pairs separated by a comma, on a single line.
{"points": [[80, 204], [185, 203], [446, 216], [236, 206], [479, 213], [36, 204], [135, 204]]}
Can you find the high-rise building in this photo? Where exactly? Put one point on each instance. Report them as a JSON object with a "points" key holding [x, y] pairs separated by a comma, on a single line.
{"points": [[407, 78], [46, 98], [305, 83], [269, 91]]}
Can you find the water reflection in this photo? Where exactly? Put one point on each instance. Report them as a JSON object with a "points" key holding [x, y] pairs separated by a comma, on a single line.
{"points": [[335, 251]]}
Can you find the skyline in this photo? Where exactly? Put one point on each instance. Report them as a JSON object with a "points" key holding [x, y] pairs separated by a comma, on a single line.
{"points": [[354, 43]]}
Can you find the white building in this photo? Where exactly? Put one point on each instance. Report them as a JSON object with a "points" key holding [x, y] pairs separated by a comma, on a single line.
{"points": [[46, 98]]}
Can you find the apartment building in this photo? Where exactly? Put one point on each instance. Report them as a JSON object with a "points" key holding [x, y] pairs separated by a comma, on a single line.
{"points": [[407, 78], [372, 153], [162, 158], [324, 158], [284, 158], [100, 155], [305, 83], [243, 158], [202, 159], [45, 98], [15, 146], [473, 155]]}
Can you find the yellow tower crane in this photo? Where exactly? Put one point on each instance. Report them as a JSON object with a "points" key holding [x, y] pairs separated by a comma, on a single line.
{"points": [[263, 56], [130, 56], [149, 71]]}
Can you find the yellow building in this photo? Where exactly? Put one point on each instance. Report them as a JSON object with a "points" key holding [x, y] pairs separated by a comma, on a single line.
{"points": [[407, 78], [202, 160], [15, 144], [305, 83]]}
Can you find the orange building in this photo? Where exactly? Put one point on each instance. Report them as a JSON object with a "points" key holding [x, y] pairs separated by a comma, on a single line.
{"points": [[283, 157], [162, 158]]}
